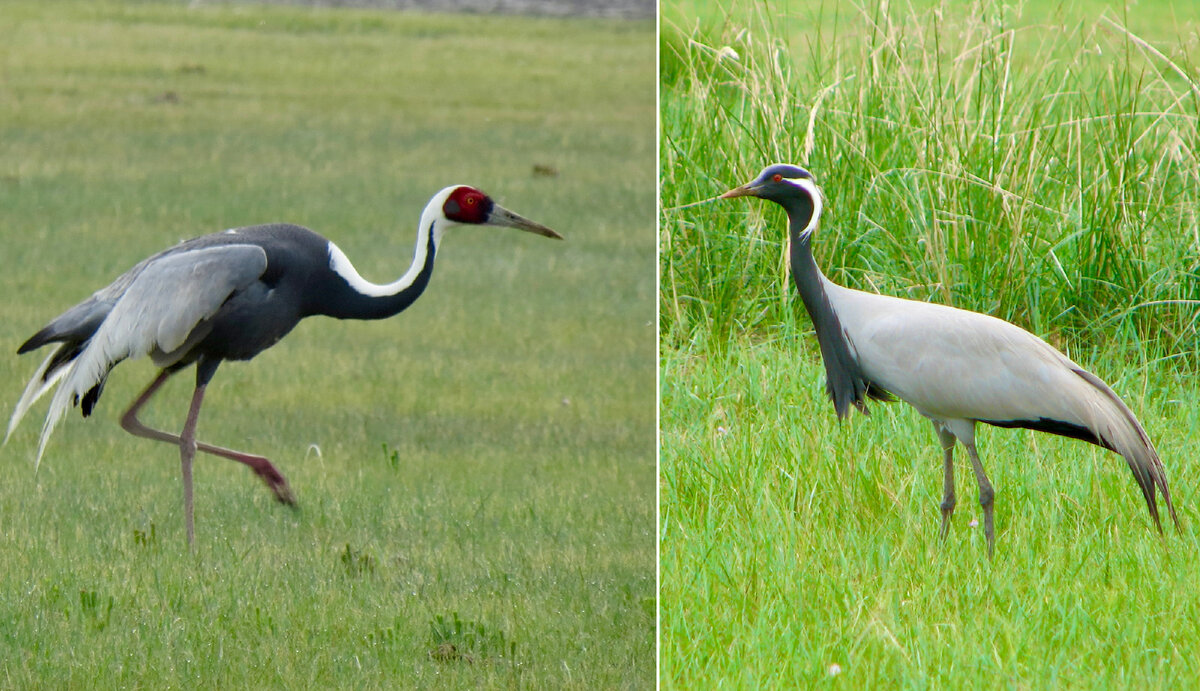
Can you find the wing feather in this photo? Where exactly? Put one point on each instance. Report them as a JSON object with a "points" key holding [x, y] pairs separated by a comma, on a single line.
{"points": [[162, 305]]}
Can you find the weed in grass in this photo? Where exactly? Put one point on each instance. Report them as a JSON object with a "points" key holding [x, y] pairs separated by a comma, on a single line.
{"points": [[357, 562], [146, 538], [264, 621], [391, 456], [96, 609], [453, 639]]}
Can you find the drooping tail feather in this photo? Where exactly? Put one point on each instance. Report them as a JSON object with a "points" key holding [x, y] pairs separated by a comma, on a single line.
{"points": [[83, 380], [1150, 475], [1122, 433], [47, 375], [84, 369]]}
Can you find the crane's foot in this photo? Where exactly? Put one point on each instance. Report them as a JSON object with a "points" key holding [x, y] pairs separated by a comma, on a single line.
{"points": [[269, 474], [283, 493], [279, 487], [947, 511], [989, 532]]}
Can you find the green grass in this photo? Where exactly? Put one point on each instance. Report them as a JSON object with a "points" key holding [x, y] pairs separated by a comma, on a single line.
{"points": [[1037, 164], [791, 543], [475, 476]]}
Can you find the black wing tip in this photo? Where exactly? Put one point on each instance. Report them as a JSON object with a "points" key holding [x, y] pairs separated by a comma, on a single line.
{"points": [[880, 394], [37, 340], [32, 344], [858, 400], [1171, 512], [1153, 506], [1160, 481], [1150, 478]]}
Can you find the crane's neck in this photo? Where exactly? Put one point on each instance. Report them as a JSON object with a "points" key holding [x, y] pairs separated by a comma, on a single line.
{"points": [[844, 379], [809, 280], [362, 299], [804, 212]]}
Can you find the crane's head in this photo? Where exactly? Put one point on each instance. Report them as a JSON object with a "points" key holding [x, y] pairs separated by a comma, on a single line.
{"points": [[465, 205], [792, 187]]}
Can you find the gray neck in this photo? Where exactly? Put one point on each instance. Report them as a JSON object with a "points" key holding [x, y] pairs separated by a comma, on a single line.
{"points": [[844, 379]]}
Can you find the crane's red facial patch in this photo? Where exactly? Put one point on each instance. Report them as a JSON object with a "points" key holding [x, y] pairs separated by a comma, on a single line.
{"points": [[467, 205]]}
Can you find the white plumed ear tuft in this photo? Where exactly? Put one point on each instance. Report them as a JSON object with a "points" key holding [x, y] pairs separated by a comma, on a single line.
{"points": [[810, 187]]}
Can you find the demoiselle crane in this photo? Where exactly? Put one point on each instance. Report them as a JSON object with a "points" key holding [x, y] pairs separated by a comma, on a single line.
{"points": [[227, 296], [957, 368]]}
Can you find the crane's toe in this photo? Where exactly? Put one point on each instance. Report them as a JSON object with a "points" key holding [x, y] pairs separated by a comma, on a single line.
{"points": [[947, 512], [989, 530], [271, 475], [283, 493]]}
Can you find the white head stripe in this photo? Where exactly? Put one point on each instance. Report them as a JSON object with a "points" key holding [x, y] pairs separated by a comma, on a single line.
{"points": [[810, 187]]}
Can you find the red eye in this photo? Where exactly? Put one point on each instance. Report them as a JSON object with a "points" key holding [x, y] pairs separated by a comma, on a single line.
{"points": [[777, 177]]}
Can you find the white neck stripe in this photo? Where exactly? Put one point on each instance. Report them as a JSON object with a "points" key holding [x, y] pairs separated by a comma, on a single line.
{"points": [[341, 265], [433, 221]]}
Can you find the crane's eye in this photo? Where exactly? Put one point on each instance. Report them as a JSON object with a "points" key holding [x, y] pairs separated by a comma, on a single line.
{"points": [[471, 201], [777, 177]]}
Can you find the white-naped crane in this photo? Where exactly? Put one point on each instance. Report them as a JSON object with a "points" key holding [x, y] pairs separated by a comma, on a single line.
{"points": [[227, 296], [957, 368]]}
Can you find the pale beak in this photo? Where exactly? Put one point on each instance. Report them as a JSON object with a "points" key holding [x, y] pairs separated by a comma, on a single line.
{"points": [[501, 216], [746, 190]]}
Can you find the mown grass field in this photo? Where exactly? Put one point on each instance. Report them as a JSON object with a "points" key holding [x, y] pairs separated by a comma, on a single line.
{"points": [[477, 472], [1037, 164]]}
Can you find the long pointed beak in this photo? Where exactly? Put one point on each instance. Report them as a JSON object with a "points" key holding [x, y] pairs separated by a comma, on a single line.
{"points": [[501, 216], [746, 190]]}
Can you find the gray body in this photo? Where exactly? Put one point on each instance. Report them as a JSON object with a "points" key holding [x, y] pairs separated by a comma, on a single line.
{"points": [[224, 296], [157, 305], [957, 368]]}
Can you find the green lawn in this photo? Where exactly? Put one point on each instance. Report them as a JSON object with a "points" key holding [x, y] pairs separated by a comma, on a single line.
{"points": [[1037, 164], [477, 472], [791, 543]]}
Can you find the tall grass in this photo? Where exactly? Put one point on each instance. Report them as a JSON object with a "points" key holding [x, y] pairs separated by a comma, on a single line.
{"points": [[1040, 170]]}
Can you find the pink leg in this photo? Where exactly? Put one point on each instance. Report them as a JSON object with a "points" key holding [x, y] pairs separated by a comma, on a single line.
{"points": [[187, 452], [260, 465]]}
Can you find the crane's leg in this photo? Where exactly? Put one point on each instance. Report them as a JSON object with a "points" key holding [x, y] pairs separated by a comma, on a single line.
{"points": [[187, 452], [986, 495], [260, 465], [947, 439]]}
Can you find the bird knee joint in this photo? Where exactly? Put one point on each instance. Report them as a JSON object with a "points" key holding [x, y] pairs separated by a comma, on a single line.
{"points": [[986, 495]]}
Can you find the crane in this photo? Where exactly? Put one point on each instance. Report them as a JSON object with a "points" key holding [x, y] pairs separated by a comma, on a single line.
{"points": [[957, 368], [227, 296]]}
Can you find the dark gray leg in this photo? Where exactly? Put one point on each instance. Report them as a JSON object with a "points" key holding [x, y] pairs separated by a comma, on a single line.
{"points": [[986, 495], [947, 440], [260, 465]]}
